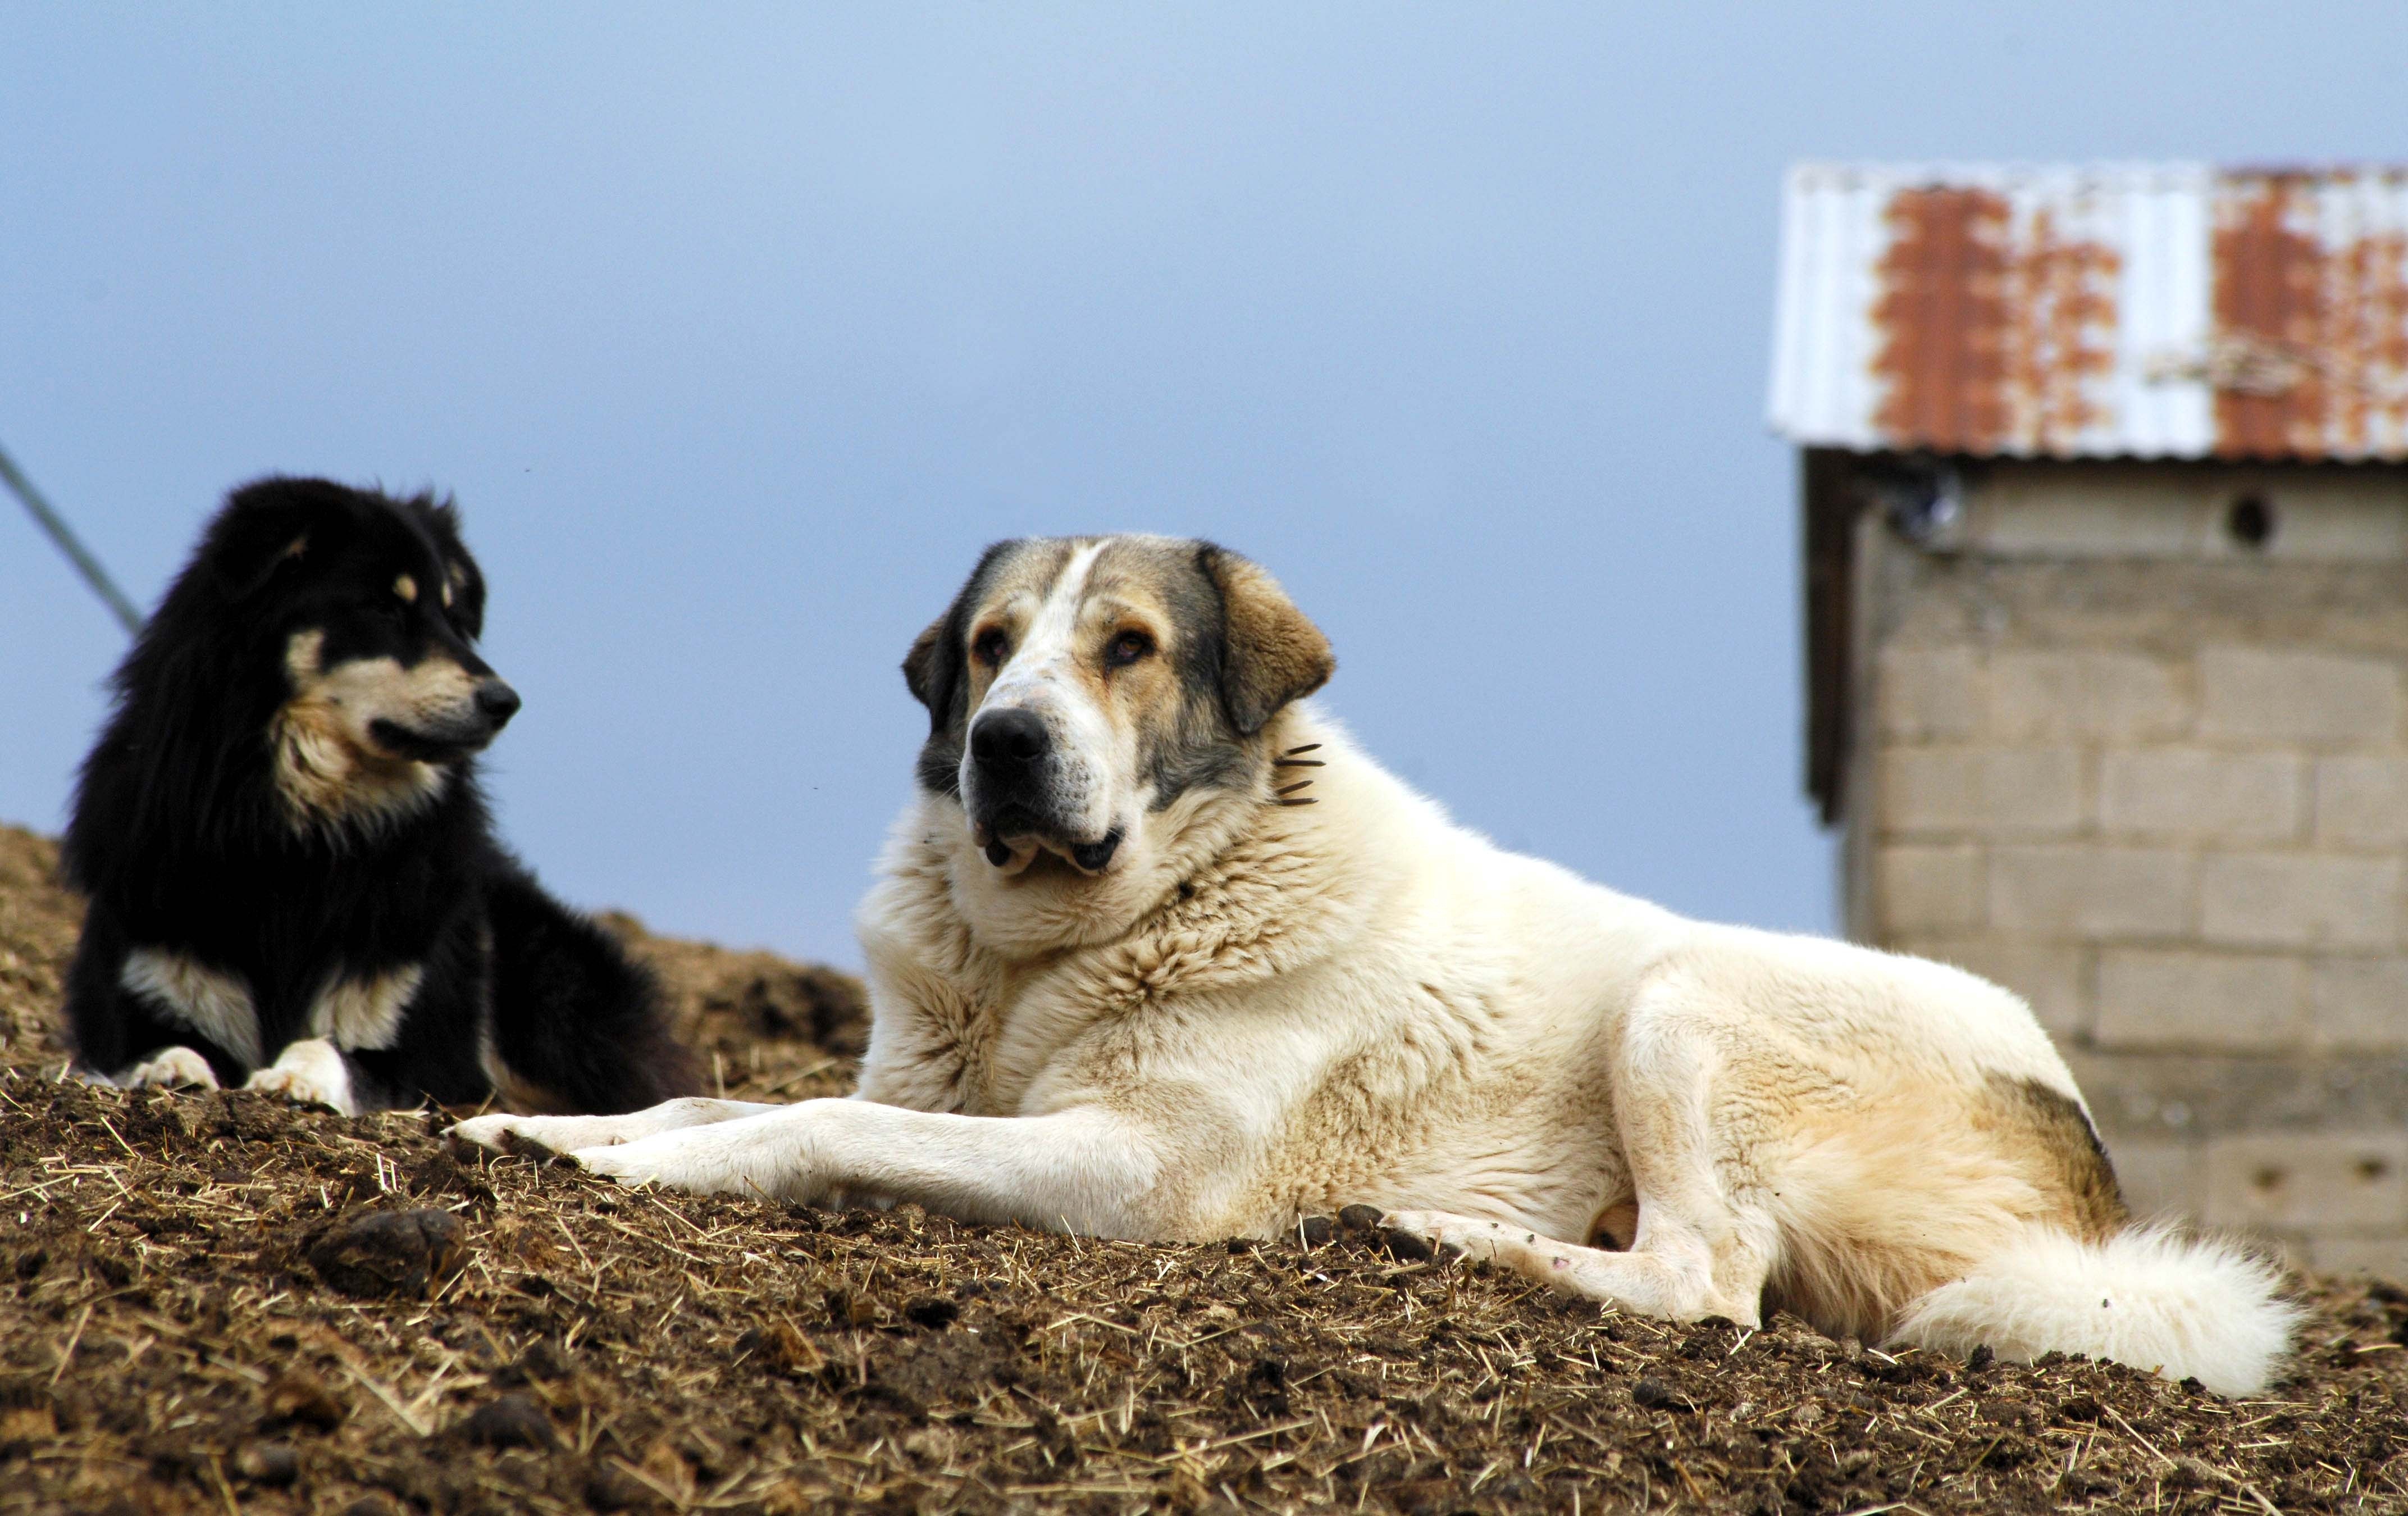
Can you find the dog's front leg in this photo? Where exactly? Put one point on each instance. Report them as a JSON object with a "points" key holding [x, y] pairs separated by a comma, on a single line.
{"points": [[1084, 1170]]}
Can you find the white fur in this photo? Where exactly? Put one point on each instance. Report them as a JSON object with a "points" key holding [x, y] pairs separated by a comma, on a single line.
{"points": [[1259, 1013], [310, 1072], [365, 1013], [211, 1002], [170, 1068], [2150, 1297]]}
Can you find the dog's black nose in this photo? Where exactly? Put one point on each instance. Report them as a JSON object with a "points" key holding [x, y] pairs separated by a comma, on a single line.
{"points": [[1009, 742], [497, 702]]}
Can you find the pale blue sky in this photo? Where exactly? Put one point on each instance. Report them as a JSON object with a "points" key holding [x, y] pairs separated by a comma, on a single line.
{"points": [[738, 332]]}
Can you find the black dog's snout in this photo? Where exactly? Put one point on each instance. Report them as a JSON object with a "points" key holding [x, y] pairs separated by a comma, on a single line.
{"points": [[1009, 742], [497, 702]]}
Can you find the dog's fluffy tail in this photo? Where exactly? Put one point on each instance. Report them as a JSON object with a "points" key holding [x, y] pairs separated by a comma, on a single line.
{"points": [[2179, 1305], [579, 1027]]}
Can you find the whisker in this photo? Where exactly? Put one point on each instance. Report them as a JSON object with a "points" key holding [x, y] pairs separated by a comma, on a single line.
{"points": [[1290, 790], [1306, 748], [1297, 802], [1298, 764]]}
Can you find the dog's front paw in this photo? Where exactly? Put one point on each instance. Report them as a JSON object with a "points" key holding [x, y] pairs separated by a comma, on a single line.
{"points": [[173, 1068], [310, 1072], [539, 1136], [499, 1134], [300, 1087], [707, 1160]]}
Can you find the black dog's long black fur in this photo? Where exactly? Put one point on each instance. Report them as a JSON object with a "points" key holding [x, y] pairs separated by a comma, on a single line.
{"points": [[185, 843]]}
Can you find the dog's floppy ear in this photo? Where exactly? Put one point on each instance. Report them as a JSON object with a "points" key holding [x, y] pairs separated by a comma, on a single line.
{"points": [[934, 668], [271, 524], [1269, 653]]}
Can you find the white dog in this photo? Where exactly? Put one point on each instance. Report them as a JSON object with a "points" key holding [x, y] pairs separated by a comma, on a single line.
{"points": [[1157, 953]]}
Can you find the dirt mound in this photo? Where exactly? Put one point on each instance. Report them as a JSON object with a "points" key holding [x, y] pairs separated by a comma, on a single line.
{"points": [[224, 1302]]}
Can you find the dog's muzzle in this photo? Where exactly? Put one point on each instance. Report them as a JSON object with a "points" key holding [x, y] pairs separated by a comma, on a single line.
{"points": [[458, 734], [1014, 781]]}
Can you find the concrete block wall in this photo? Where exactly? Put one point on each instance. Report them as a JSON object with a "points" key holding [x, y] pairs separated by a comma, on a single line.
{"points": [[2155, 778]]}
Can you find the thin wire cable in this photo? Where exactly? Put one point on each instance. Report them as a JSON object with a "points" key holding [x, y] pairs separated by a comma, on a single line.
{"points": [[86, 565]]}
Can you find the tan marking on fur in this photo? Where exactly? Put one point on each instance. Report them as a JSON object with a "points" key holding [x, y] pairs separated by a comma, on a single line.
{"points": [[328, 769], [211, 1002], [1615, 1227], [2048, 1132], [1909, 1187], [356, 1014], [455, 580], [1275, 654], [406, 587]]}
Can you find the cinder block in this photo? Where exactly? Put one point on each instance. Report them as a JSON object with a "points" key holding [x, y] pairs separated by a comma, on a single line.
{"points": [[2195, 793], [2122, 697], [2383, 1254], [2253, 694], [2159, 1176], [2333, 1181], [2359, 1002], [1927, 694], [2362, 802], [2048, 976], [2029, 790], [2213, 1002], [2092, 892], [2300, 899], [1927, 888], [2083, 523]]}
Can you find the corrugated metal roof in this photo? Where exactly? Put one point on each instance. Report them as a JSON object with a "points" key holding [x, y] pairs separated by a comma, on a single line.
{"points": [[2135, 311]]}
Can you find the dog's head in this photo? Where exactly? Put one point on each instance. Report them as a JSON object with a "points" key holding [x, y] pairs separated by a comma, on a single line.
{"points": [[372, 605], [1083, 694]]}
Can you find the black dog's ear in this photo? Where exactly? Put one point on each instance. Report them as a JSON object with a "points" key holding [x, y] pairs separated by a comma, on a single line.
{"points": [[464, 593], [1269, 653], [271, 524]]}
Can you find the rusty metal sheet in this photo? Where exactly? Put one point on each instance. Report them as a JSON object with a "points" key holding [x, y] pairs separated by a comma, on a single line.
{"points": [[2118, 310]]}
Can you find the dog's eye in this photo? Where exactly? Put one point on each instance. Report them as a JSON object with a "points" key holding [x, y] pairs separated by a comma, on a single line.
{"points": [[1126, 649], [990, 646]]}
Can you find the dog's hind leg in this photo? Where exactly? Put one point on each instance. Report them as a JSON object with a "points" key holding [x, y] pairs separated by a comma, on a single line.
{"points": [[1701, 1250]]}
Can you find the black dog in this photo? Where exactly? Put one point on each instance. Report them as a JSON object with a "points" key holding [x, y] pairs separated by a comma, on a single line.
{"points": [[292, 879]]}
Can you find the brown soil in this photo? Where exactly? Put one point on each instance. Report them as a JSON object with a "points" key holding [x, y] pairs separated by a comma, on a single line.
{"points": [[223, 1303]]}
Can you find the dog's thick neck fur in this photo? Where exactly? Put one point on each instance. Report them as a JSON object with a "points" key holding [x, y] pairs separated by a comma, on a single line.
{"points": [[1237, 887]]}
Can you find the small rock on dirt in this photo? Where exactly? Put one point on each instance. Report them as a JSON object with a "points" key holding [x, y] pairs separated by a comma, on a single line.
{"points": [[377, 1253], [510, 1422], [297, 1396], [1656, 1395], [268, 1463]]}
